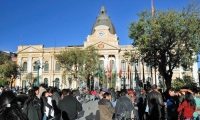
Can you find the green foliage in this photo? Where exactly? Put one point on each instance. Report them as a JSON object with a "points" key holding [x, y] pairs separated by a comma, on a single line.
{"points": [[169, 39], [30, 78], [9, 71], [79, 62], [187, 81]]}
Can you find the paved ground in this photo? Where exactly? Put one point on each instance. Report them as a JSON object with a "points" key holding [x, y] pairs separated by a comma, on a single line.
{"points": [[90, 111]]}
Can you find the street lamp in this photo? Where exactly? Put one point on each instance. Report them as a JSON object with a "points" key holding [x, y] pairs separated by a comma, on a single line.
{"points": [[37, 65], [123, 79]]}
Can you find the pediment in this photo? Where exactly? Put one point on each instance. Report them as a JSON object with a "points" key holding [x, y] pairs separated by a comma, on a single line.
{"points": [[105, 46], [30, 49]]}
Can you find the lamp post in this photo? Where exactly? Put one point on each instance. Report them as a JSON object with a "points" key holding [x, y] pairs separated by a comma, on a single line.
{"points": [[37, 65], [123, 79]]}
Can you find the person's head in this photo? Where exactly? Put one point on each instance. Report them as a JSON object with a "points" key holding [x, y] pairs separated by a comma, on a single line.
{"points": [[66, 92], [31, 93], [154, 87], [130, 92], [143, 91], [42, 85], [36, 89], [123, 93], [171, 91], [190, 99], [45, 94], [9, 109], [106, 95]]}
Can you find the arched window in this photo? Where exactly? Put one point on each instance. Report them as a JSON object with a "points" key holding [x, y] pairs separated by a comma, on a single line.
{"points": [[35, 66], [46, 82], [148, 68], [102, 64], [57, 66], [112, 65], [57, 82], [46, 66], [25, 66], [123, 63]]}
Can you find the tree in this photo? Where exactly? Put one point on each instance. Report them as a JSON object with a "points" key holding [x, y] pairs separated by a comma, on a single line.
{"points": [[79, 62], [187, 81], [9, 71], [170, 39], [31, 79]]}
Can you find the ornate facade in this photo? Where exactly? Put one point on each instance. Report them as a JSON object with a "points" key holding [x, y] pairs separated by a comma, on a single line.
{"points": [[105, 39]]}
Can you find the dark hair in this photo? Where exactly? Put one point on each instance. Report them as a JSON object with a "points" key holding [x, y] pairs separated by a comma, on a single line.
{"points": [[154, 86], [35, 88], [42, 85], [106, 94], [123, 92], [171, 89], [66, 92], [189, 99], [7, 99], [32, 98]]}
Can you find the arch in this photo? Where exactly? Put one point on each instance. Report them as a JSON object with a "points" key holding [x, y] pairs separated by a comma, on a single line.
{"points": [[25, 66], [57, 66], [35, 66], [123, 63], [46, 82], [46, 66], [57, 82]]}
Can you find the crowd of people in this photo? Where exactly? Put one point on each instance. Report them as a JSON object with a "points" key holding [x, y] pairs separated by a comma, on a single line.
{"points": [[54, 104]]}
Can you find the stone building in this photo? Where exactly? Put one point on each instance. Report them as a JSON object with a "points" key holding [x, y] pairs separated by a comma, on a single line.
{"points": [[104, 38]]}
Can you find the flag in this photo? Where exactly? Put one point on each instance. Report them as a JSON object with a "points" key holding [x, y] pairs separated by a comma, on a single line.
{"points": [[120, 73], [128, 72], [100, 73]]}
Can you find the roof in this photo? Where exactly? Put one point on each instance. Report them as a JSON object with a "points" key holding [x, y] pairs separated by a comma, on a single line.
{"points": [[104, 19]]}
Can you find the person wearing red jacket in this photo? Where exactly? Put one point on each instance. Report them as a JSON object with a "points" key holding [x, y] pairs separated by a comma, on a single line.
{"points": [[188, 106], [93, 93]]}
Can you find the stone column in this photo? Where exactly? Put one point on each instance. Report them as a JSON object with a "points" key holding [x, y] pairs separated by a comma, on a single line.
{"points": [[106, 61], [30, 64], [19, 78]]}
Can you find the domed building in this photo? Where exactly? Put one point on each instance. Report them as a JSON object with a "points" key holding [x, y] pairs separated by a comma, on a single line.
{"points": [[104, 38]]}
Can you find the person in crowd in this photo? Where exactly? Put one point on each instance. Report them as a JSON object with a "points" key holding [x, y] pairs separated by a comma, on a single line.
{"points": [[106, 109], [69, 105], [46, 106], [36, 89], [32, 106], [113, 95], [142, 104], [130, 95], [53, 92], [155, 104], [172, 105], [93, 93], [188, 107], [123, 107], [41, 90], [9, 109]]}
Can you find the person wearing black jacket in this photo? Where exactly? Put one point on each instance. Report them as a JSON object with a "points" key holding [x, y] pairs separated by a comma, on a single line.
{"points": [[172, 105], [155, 103], [69, 105]]}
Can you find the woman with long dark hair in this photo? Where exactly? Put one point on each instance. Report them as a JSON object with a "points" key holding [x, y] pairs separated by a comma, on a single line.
{"points": [[188, 106], [9, 109], [32, 106]]}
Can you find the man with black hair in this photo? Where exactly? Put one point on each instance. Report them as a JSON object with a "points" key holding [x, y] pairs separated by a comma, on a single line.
{"points": [[155, 104], [123, 107], [106, 109], [172, 105], [69, 105]]}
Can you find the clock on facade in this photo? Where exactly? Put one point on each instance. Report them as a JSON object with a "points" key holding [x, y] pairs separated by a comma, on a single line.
{"points": [[101, 33]]}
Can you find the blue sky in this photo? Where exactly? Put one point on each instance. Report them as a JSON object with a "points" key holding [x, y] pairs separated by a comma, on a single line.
{"points": [[67, 22]]}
